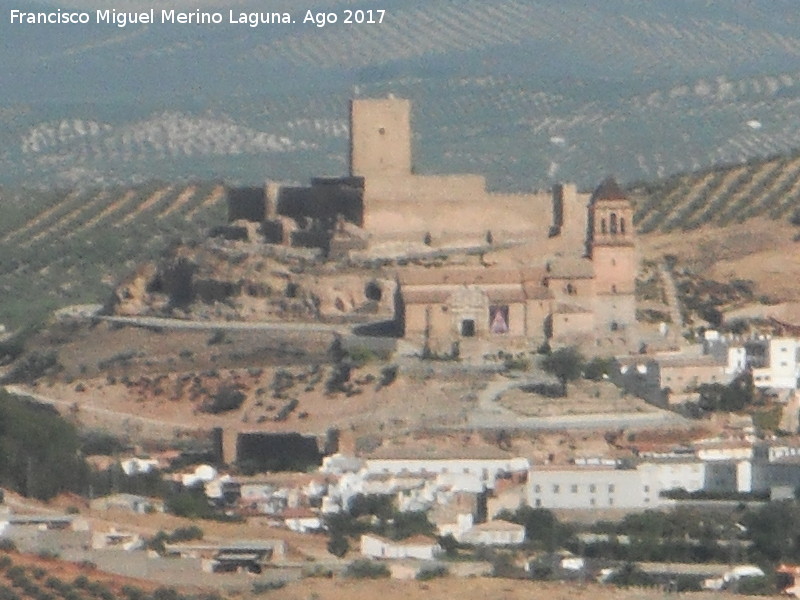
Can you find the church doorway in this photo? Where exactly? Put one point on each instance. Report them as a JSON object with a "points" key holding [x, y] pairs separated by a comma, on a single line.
{"points": [[468, 328]]}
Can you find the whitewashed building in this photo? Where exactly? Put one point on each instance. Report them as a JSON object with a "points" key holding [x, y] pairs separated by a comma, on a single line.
{"points": [[494, 533], [420, 547], [783, 367]]}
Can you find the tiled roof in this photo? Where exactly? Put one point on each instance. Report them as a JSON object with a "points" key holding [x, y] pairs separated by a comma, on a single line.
{"points": [[608, 190]]}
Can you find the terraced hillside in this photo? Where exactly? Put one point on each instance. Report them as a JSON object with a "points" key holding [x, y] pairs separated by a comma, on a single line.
{"points": [[70, 246], [723, 196]]}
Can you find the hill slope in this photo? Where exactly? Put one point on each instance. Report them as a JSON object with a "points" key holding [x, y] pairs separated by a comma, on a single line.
{"points": [[722, 196], [71, 246]]}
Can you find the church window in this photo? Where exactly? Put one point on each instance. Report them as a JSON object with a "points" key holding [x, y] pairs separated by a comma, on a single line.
{"points": [[603, 226], [622, 225], [613, 223]]}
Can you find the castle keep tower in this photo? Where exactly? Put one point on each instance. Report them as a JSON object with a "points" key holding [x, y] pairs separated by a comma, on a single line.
{"points": [[612, 249], [380, 137]]}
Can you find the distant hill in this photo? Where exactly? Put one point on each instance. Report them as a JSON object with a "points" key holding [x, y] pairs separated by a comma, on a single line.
{"points": [[526, 92], [720, 196]]}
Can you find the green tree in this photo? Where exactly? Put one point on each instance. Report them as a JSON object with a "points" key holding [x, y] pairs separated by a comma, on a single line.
{"points": [[565, 364], [542, 527], [596, 368], [38, 450], [338, 545]]}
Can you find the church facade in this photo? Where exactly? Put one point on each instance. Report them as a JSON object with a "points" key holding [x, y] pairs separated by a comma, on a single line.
{"points": [[586, 298]]}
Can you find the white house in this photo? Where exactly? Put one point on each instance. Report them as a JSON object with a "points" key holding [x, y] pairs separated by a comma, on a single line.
{"points": [[487, 470], [116, 540], [783, 368], [130, 502], [589, 487], [494, 533], [302, 520], [201, 475], [135, 466], [419, 546], [603, 486]]}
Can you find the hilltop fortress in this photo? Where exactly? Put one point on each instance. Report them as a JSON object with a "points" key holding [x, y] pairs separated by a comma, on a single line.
{"points": [[384, 200], [576, 284]]}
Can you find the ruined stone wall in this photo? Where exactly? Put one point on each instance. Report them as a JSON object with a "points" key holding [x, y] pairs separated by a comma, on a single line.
{"points": [[247, 203]]}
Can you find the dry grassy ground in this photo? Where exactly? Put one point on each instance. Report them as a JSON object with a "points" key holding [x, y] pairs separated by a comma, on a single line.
{"points": [[583, 398], [761, 250], [471, 589]]}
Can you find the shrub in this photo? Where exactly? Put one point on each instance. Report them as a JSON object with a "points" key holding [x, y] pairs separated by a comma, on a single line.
{"points": [[388, 376], [366, 569], [631, 575], [360, 356], [218, 337], [516, 363], [432, 572], [166, 593], [756, 586], [7, 545], [340, 375], [595, 369], [34, 365], [132, 592], [260, 587], [184, 534], [227, 398], [287, 409], [338, 545]]}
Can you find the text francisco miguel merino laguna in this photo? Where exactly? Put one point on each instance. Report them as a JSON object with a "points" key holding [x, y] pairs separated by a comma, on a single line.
{"points": [[196, 17]]}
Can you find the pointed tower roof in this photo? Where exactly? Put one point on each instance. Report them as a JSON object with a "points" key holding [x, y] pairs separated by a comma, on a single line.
{"points": [[609, 190]]}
